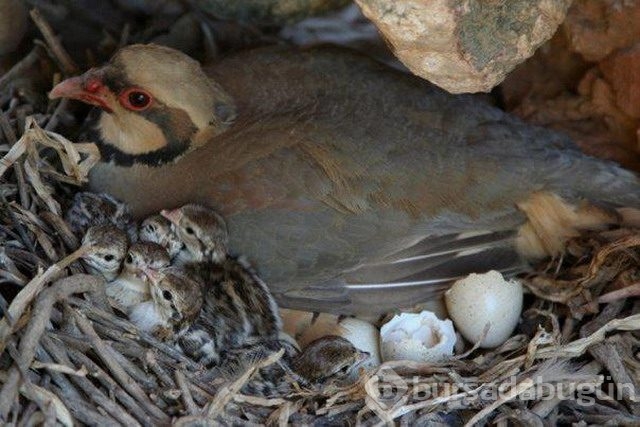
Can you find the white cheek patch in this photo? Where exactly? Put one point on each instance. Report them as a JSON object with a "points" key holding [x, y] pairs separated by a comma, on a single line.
{"points": [[130, 132]]}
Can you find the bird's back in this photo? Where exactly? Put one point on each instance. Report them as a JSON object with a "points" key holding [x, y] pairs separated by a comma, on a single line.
{"points": [[336, 161]]}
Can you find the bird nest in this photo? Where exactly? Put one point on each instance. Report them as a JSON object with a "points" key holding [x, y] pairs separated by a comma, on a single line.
{"points": [[67, 358]]}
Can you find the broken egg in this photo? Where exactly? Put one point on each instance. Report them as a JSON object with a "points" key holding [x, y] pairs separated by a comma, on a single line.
{"points": [[421, 337], [485, 299]]}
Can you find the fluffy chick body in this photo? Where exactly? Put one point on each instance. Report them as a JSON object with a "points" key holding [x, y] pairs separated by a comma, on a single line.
{"points": [[232, 282], [327, 360], [131, 287], [93, 209], [176, 300], [157, 229]]}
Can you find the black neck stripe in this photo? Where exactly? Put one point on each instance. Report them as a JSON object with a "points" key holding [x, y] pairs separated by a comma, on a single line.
{"points": [[160, 114]]}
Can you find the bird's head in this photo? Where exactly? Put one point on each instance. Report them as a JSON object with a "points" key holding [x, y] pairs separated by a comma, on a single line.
{"points": [[330, 359], [202, 231], [143, 255], [155, 103], [178, 296], [157, 229], [106, 246]]}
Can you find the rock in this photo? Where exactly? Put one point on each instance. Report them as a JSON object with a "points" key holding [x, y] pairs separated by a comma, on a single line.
{"points": [[597, 28], [553, 70], [597, 105], [268, 12], [13, 24], [622, 72], [465, 45]]}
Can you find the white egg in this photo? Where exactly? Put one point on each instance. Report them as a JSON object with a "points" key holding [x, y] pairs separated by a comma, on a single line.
{"points": [[481, 299], [421, 337]]}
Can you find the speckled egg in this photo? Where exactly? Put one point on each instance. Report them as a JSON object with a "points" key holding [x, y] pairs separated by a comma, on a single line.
{"points": [[481, 299]]}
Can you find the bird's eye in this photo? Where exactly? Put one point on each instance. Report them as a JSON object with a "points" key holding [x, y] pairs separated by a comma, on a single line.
{"points": [[135, 99], [167, 295], [344, 369], [151, 228], [109, 257], [189, 230], [129, 258]]}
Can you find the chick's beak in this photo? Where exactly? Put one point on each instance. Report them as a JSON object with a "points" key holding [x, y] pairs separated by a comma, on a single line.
{"points": [[173, 216], [153, 275], [87, 88], [363, 356]]}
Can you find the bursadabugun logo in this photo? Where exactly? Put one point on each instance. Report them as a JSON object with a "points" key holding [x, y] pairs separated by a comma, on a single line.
{"points": [[385, 390]]}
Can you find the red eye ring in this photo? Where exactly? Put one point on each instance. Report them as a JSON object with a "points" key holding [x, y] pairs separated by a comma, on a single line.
{"points": [[135, 99]]}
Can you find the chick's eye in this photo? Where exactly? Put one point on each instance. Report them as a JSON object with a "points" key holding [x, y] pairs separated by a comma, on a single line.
{"points": [[135, 99], [108, 257], [344, 369], [167, 295], [189, 230], [129, 259]]}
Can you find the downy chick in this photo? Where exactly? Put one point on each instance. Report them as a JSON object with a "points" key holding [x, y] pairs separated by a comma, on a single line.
{"points": [[232, 285], [157, 229], [92, 209], [106, 249], [131, 287], [330, 360], [176, 300]]}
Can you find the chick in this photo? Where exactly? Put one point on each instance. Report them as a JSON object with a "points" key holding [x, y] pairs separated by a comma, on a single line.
{"points": [[131, 286], [175, 303], [232, 285], [157, 229], [106, 246], [202, 231], [328, 359], [90, 209]]}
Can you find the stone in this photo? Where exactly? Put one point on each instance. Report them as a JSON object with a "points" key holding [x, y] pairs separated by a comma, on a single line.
{"points": [[622, 72], [268, 12], [465, 45], [597, 28]]}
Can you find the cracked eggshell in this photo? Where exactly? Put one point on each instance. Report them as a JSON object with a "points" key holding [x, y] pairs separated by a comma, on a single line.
{"points": [[479, 299], [421, 337]]}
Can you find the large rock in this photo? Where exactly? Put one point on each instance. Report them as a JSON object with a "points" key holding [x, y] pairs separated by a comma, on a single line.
{"points": [[268, 12], [465, 45], [597, 105], [597, 28]]}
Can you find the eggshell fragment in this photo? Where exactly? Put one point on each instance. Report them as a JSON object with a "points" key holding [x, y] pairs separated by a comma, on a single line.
{"points": [[421, 337], [481, 299]]}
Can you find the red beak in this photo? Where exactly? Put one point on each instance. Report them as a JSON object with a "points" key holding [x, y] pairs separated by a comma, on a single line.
{"points": [[87, 88]]}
